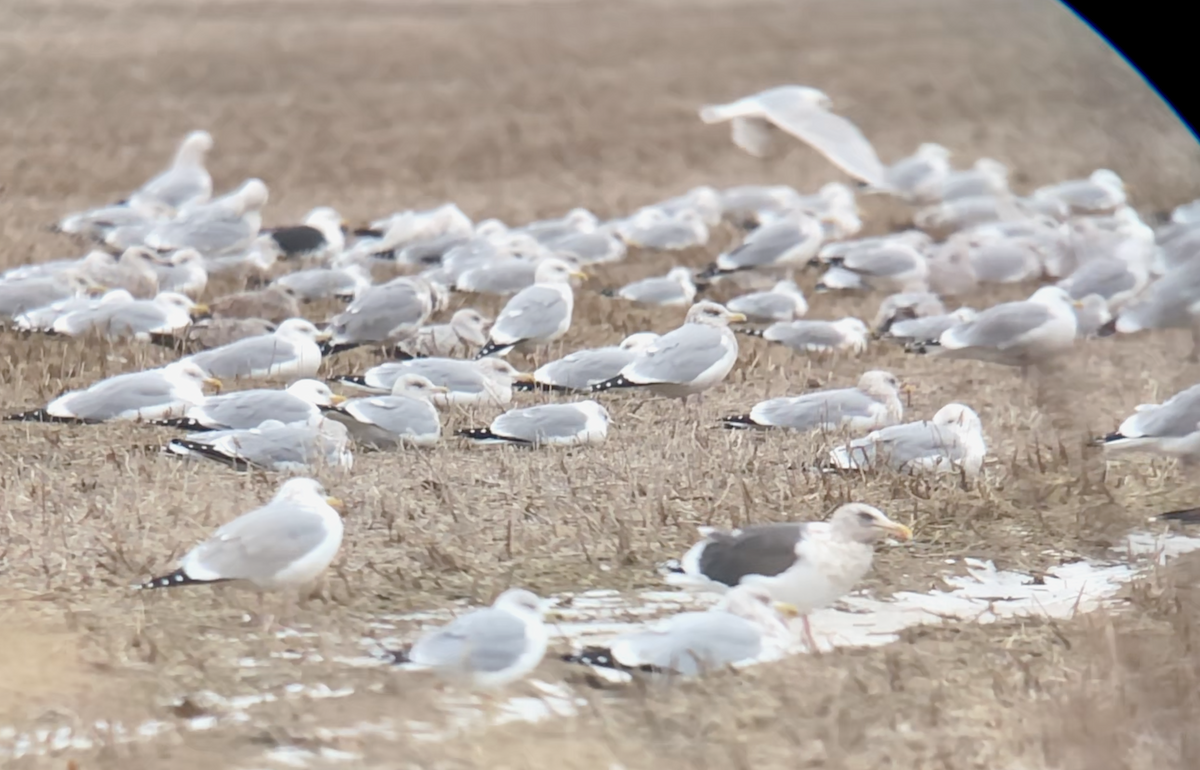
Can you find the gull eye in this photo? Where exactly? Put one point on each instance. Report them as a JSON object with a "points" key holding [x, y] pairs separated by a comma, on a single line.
{"points": [[866, 519]]}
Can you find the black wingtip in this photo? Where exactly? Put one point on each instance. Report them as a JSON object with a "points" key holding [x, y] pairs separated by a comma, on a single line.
{"points": [[209, 452], [41, 415], [1185, 516], [750, 332], [333, 348], [712, 271], [1108, 329], [1106, 439], [169, 341], [399, 656], [492, 348], [594, 656], [352, 379], [614, 382], [608, 292], [922, 347], [476, 434], [184, 423], [738, 421], [541, 387], [396, 354], [172, 580]]}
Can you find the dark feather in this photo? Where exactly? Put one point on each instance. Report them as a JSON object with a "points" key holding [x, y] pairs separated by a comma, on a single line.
{"points": [[767, 549], [184, 423], [493, 347], [351, 379], [739, 421], [750, 332], [1108, 329], [41, 415], [173, 579], [613, 382], [207, 451], [1185, 516], [602, 657], [298, 240]]}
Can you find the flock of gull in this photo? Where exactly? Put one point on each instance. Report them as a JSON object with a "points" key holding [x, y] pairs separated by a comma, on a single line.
{"points": [[1104, 271]]}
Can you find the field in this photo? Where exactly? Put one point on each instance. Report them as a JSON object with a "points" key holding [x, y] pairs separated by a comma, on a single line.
{"points": [[524, 110]]}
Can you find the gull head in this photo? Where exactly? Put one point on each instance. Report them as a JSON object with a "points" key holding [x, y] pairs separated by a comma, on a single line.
{"points": [[712, 314], [864, 523], [417, 386], [958, 415], [314, 392], [521, 602]]}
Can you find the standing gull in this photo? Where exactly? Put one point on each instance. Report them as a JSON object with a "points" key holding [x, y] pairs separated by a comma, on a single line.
{"points": [[289, 351], [580, 423], [787, 242], [487, 647], [686, 361], [186, 182], [388, 312], [745, 626], [286, 543], [1171, 428], [223, 226], [808, 565], [927, 327], [873, 403], [539, 313], [155, 394], [951, 442], [244, 409], [804, 113]]}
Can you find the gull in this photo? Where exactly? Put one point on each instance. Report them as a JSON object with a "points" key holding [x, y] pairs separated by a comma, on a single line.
{"points": [[789, 241], [244, 409], [406, 417], [703, 200], [873, 403], [808, 565], [22, 296], [223, 226], [987, 177], [42, 319], [284, 544], [928, 327], [844, 334], [1186, 213], [140, 319], [185, 183], [318, 238], [272, 446], [784, 302], [577, 220], [744, 626], [289, 351], [989, 257], [960, 213], [385, 313], [1092, 316], [675, 289], [132, 271], [96, 224], [1020, 333], [1171, 428], [804, 113], [325, 282], [754, 204], [894, 267], [836, 208], [686, 361], [951, 442], [580, 423], [593, 248], [487, 647], [407, 228], [155, 394], [580, 370], [1116, 280], [276, 304], [182, 272], [1102, 191], [466, 330], [919, 177], [538, 314], [208, 333], [485, 381], [904, 306], [658, 230], [1169, 302]]}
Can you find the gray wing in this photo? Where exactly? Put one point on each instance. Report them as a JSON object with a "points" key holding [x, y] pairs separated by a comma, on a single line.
{"points": [[286, 447], [767, 305], [207, 237], [1000, 326], [767, 550], [486, 640], [804, 334], [928, 328], [317, 283], [246, 357], [126, 392], [584, 368], [899, 445], [1178, 416], [833, 136], [691, 643], [398, 415], [20, 296], [250, 408], [653, 291], [679, 356], [827, 410], [1079, 193], [177, 186], [764, 246], [1106, 277], [911, 174], [539, 423], [382, 313], [533, 313], [882, 261], [260, 543], [504, 277], [1165, 303], [456, 375], [133, 318]]}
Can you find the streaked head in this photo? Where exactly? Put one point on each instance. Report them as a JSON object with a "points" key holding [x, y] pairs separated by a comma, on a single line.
{"points": [[866, 524], [712, 314], [879, 384], [853, 326], [496, 367], [470, 325], [252, 195], [959, 415], [417, 386], [593, 409], [188, 370], [521, 602]]}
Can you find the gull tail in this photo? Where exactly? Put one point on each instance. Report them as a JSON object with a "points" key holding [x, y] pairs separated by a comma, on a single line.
{"points": [[712, 271], [332, 348], [1115, 437], [41, 415], [485, 436], [396, 354], [1185, 516], [1108, 329], [595, 656], [352, 379], [493, 349], [921, 347], [608, 292], [400, 656], [208, 451], [613, 382], [750, 332], [167, 341], [739, 422], [540, 387], [171, 580]]}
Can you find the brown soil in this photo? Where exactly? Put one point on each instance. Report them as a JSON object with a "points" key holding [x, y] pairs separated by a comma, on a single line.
{"points": [[525, 110]]}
